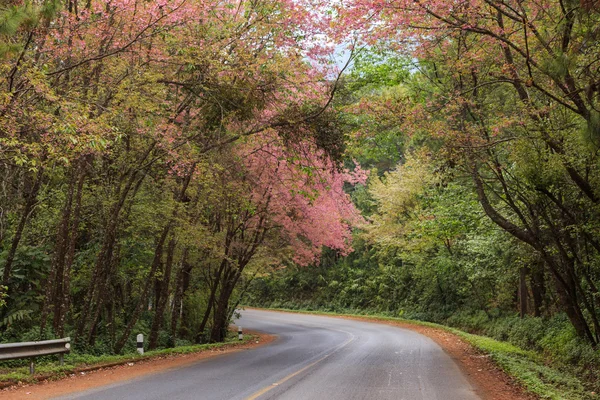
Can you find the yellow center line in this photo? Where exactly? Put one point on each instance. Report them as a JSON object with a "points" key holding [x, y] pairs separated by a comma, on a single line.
{"points": [[290, 376]]}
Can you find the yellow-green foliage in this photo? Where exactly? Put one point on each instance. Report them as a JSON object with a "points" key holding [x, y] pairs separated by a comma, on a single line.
{"points": [[398, 196]]}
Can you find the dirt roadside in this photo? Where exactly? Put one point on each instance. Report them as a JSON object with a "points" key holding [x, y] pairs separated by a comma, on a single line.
{"points": [[81, 381]]}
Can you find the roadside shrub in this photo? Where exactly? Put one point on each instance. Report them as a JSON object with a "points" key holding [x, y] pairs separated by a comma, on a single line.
{"points": [[473, 322], [526, 332], [560, 340]]}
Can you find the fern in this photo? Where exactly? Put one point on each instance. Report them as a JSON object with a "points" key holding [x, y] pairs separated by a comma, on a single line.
{"points": [[18, 315]]}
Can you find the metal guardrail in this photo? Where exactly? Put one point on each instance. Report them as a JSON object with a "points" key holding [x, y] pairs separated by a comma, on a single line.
{"points": [[13, 351]]}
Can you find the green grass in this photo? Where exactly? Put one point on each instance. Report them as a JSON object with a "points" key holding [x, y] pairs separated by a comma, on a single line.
{"points": [[49, 368], [534, 372], [530, 369]]}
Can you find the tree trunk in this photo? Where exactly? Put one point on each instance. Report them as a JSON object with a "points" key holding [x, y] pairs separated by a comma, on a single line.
{"points": [[523, 291], [103, 261], [567, 295], [221, 313], [538, 288], [143, 296], [220, 318], [60, 315], [105, 294], [180, 288], [30, 199], [58, 284], [55, 278], [164, 295], [214, 286], [565, 288]]}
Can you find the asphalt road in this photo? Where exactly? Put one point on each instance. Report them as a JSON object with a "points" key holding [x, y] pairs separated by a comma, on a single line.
{"points": [[314, 357]]}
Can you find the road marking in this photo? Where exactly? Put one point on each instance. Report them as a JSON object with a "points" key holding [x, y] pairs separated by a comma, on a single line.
{"points": [[290, 376]]}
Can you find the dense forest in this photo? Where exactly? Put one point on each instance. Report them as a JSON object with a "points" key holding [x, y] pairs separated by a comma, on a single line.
{"points": [[149, 157], [163, 161], [481, 207]]}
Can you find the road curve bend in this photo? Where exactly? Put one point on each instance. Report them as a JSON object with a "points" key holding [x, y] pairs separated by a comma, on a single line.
{"points": [[314, 357]]}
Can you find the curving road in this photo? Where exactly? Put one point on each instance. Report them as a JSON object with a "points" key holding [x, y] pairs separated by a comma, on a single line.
{"points": [[314, 357]]}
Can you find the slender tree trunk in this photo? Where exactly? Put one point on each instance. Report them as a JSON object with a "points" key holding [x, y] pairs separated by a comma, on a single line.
{"points": [[180, 288], [567, 295], [162, 287], [65, 303], [105, 294], [162, 303], [30, 199], [103, 261], [214, 286], [184, 326], [523, 291], [111, 321], [221, 314], [54, 284], [538, 289], [143, 296], [220, 317]]}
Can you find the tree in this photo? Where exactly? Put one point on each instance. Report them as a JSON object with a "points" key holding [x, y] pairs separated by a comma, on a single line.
{"points": [[508, 89], [112, 116]]}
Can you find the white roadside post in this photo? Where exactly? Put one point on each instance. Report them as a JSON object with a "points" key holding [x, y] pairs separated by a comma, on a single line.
{"points": [[140, 344], [61, 356], [240, 334]]}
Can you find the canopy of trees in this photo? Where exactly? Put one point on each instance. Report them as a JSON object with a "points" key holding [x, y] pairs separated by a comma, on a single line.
{"points": [[507, 93], [158, 156], [152, 152], [479, 122]]}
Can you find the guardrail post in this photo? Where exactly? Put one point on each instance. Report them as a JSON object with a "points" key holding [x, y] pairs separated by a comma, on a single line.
{"points": [[31, 366], [240, 334], [61, 359], [140, 344]]}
